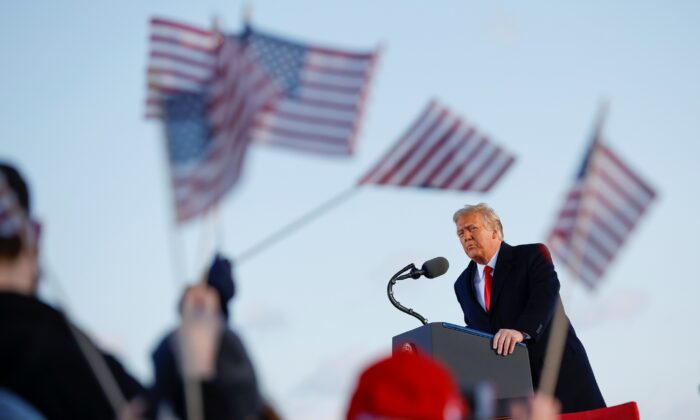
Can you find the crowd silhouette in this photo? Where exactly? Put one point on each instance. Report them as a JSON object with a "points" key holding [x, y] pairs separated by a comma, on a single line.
{"points": [[49, 369]]}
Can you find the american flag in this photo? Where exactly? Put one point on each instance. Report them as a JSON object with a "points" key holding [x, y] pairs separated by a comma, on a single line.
{"points": [[182, 60], [208, 90], [605, 203], [441, 150], [325, 92]]}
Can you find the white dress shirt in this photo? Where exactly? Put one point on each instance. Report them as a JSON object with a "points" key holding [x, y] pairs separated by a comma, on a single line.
{"points": [[480, 282]]}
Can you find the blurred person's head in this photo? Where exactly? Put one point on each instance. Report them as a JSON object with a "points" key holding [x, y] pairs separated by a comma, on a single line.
{"points": [[406, 386], [202, 349], [479, 230], [220, 279], [19, 235]]}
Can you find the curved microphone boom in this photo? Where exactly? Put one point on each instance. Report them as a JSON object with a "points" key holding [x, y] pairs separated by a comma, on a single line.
{"points": [[430, 269]]}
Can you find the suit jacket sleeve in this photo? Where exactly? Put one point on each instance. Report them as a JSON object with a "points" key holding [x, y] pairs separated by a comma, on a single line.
{"points": [[543, 293]]}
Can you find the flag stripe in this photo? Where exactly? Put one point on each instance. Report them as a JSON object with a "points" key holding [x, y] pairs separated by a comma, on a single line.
{"points": [[345, 91], [319, 105], [183, 42], [472, 150], [300, 132], [330, 79], [440, 150], [454, 160], [338, 59], [419, 151], [494, 172], [487, 157], [372, 175], [167, 60], [182, 58], [316, 119], [179, 55], [354, 74], [268, 137], [428, 163], [440, 157], [174, 74], [410, 146], [322, 84], [637, 181]]}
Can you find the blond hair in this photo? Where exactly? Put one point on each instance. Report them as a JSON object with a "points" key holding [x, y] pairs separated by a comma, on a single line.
{"points": [[489, 216]]}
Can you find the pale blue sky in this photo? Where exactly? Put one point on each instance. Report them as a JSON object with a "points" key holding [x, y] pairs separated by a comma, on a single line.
{"points": [[313, 308]]}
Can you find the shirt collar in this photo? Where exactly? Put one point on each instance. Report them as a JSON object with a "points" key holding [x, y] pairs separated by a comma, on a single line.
{"points": [[491, 263]]}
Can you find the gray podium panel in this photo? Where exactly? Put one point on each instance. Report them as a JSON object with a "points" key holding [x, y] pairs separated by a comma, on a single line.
{"points": [[469, 356]]}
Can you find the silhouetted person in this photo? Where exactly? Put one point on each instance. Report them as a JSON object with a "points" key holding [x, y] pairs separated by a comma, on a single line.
{"points": [[203, 349], [40, 360]]}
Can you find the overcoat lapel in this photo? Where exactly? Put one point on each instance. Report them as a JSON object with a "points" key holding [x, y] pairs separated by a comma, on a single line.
{"points": [[474, 314], [469, 282], [465, 286], [501, 273]]}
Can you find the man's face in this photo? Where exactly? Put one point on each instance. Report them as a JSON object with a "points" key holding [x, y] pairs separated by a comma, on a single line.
{"points": [[479, 242]]}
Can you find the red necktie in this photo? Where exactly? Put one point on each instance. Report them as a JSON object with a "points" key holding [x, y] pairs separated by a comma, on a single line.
{"points": [[487, 287]]}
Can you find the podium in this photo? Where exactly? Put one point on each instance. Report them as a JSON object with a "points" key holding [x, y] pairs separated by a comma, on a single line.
{"points": [[470, 358]]}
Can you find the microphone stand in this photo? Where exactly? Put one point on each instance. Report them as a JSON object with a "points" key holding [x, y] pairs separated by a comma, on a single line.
{"points": [[390, 291]]}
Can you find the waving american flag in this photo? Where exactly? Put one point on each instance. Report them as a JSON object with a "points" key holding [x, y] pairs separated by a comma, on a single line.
{"points": [[604, 204]]}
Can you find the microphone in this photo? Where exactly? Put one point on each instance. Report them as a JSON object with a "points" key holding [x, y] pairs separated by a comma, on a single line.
{"points": [[430, 269], [435, 267]]}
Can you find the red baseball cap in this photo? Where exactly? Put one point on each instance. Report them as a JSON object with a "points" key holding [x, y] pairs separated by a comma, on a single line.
{"points": [[407, 386]]}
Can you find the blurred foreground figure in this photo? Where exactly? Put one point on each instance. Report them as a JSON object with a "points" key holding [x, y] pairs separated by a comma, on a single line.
{"points": [[43, 372], [407, 386], [541, 407], [202, 349]]}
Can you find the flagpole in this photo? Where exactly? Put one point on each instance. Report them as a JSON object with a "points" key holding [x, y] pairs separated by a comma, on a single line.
{"points": [[207, 237], [193, 397], [555, 351], [247, 13], [177, 254], [296, 224], [218, 229], [560, 323]]}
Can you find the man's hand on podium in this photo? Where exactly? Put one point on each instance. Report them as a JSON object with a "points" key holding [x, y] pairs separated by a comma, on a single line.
{"points": [[505, 340]]}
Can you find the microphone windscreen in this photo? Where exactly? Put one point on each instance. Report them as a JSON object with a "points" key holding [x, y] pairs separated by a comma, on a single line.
{"points": [[435, 267]]}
